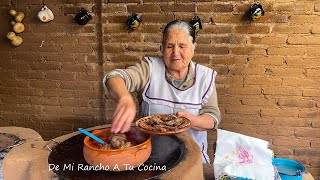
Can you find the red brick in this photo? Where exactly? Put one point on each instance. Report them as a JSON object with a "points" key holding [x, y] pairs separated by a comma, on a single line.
{"points": [[58, 93], [253, 120], [178, 8], [146, 8], [60, 76], [292, 51], [137, 47], [301, 82], [48, 66], [311, 92], [309, 114], [16, 65], [88, 77], [5, 3], [29, 75], [252, 29], [57, 57], [269, 40], [209, 49], [291, 122], [73, 102], [6, 76], [304, 40], [249, 90], [228, 39], [304, 19], [203, 39], [77, 48], [158, 18], [308, 132], [315, 30], [314, 172], [115, 28], [297, 102], [68, 67], [157, 38], [124, 1], [44, 84], [289, 142], [306, 152], [223, 60], [254, 80], [309, 62], [124, 58], [273, 112], [316, 123], [57, 110], [44, 101], [86, 93], [14, 99], [15, 83], [287, 91], [273, 18], [242, 110], [227, 18], [292, 29], [124, 38], [214, 8], [276, 131], [315, 144], [247, 71], [76, 85], [313, 72], [313, 51], [86, 111], [248, 50], [258, 101], [116, 8], [202, 59], [304, 7], [151, 28], [280, 151], [235, 80], [216, 29]]}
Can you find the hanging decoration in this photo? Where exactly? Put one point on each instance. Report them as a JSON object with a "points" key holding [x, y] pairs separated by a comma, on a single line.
{"points": [[196, 23], [45, 14], [255, 12], [17, 27], [83, 17], [134, 21]]}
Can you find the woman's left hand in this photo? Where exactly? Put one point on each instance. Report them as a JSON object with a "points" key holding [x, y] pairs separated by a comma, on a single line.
{"points": [[198, 122]]}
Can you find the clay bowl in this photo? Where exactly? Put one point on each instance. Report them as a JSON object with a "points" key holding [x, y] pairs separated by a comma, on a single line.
{"points": [[119, 159]]}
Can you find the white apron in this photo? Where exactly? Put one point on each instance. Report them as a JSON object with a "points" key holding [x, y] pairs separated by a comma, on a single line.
{"points": [[160, 97]]}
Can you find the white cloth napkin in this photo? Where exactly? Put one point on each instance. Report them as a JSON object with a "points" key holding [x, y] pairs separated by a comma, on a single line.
{"points": [[242, 157]]}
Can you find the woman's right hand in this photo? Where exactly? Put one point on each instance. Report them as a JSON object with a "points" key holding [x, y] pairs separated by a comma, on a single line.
{"points": [[124, 114]]}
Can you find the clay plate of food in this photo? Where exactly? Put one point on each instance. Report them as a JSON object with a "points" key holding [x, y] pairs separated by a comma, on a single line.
{"points": [[163, 124]]}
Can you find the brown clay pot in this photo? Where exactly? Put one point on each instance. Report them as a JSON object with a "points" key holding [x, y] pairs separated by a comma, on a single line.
{"points": [[120, 159]]}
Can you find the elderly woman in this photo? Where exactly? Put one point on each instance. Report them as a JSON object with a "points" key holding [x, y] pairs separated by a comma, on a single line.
{"points": [[169, 84]]}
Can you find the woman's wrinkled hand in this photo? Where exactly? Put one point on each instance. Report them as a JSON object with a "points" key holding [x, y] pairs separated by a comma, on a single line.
{"points": [[124, 114]]}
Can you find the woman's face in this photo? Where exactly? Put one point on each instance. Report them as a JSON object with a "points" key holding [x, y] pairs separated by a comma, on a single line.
{"points": [[178, 50]]}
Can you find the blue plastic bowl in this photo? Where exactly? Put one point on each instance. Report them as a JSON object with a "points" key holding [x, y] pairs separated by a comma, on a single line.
{"points": [[289, 169]]}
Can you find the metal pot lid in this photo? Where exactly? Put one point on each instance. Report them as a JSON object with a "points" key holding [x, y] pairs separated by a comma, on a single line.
{"points": [[7, 140]]}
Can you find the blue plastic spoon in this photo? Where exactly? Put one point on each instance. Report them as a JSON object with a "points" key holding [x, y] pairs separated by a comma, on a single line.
{"points": [[91, 135]]}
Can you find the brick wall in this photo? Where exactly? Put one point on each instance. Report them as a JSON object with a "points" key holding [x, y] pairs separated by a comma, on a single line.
{"points": [[269, 70]]}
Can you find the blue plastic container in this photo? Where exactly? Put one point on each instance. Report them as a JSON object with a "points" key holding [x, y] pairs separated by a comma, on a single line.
{"points": [[289, 169]]}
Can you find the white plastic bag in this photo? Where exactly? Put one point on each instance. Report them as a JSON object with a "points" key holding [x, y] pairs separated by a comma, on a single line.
{"points": [[242, 157]]}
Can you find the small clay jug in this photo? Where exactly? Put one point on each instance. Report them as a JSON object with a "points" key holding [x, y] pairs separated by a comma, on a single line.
{"points": [[83, 17]]}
